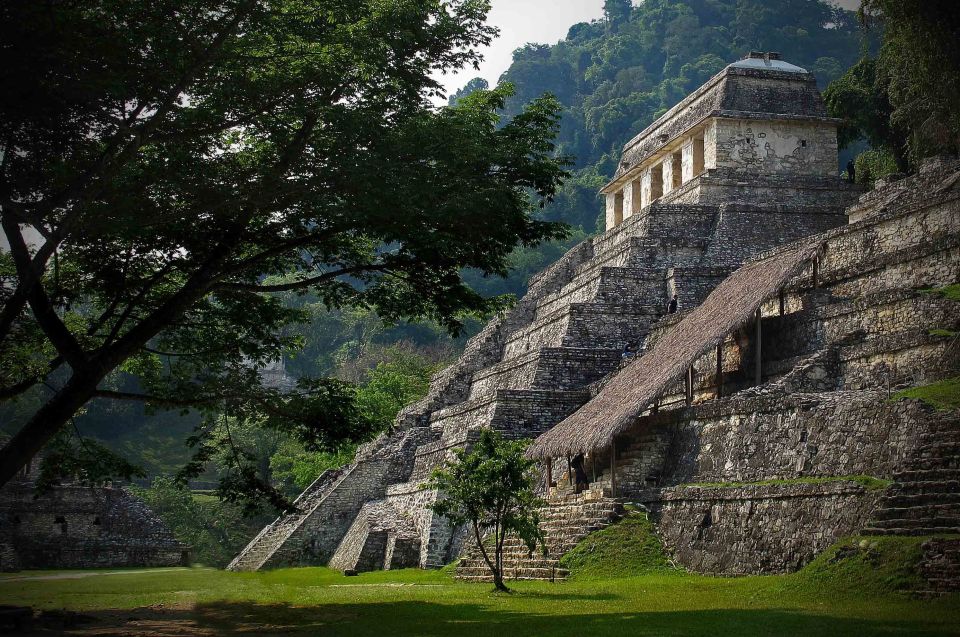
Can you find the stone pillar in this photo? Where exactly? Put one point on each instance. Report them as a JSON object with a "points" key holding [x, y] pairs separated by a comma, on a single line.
{"points": [[614, 209], [645, 188], [656, 182], [672, 172], [699, 161], [686, 161], [632, 198], [759, 347]]}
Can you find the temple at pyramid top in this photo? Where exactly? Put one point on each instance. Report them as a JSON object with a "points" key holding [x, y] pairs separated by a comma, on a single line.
{"points": [[760, 117]]}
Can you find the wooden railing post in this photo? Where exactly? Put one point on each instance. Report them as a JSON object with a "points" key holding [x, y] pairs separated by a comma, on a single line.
{"points": [[720, 369], [759, 344], [688, 386], [613, 467]]}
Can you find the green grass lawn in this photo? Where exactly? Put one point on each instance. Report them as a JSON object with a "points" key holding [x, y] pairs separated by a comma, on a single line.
{"points": [[845, 592]]}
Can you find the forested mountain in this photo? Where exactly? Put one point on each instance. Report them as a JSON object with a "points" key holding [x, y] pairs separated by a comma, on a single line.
{"points": [[616, 75]]}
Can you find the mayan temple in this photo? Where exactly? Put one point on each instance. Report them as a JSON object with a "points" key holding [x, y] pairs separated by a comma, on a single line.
{"points": [[799, 310]]}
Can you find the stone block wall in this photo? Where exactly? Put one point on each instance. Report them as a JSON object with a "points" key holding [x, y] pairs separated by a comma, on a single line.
{"points": [[316, 537], [772, 147], [758, 529], [74, 526]]}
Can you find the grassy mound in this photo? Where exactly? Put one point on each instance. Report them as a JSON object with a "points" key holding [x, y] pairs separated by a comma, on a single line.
{"points": [[943, 396], [872, 564], [627, 548]]}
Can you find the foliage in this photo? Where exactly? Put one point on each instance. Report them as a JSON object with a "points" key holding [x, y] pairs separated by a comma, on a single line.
{"points": [[490, 487], [861, 99], [294, 468], [173, 166], [919, 65], [625, 549], [474, 85], [215, 531], [875, 164], [70, 456], [951, 292], [942, 396], [393, 384]]}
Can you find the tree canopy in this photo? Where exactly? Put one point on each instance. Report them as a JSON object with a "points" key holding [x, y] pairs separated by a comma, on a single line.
{"points": [[169, 167], [919, 69]]}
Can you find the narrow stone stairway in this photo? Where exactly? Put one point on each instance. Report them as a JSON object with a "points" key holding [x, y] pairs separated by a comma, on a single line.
{"points": [[261, 547], [940, 566], [565, 521], [925, 500]]}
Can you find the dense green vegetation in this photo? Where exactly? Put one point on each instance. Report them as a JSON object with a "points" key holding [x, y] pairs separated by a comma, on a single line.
{"points": [[168, 170], [856, 589], [214, 530]]}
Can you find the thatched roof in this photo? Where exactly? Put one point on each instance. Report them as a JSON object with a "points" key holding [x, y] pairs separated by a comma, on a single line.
{"points": [[732, 304]]}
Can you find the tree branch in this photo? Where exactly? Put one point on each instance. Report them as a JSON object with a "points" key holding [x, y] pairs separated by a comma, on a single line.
{"points": [[302, 283]]}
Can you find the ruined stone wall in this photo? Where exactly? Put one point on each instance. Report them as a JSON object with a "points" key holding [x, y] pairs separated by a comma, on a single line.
{"points": [[75, 526], [799, 435], [724, 186], [758, 529]]}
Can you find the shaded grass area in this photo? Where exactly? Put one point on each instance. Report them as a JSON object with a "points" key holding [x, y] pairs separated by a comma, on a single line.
{"points": [[943, 395], [850, 590], [874, 563], [871, 483]]}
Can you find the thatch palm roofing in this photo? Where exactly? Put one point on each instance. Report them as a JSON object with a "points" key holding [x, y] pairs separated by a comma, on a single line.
{"points": [[732, 304]]}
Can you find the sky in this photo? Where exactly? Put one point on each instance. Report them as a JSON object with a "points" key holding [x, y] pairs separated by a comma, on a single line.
{"points": [[540, 21], [520, 22]]}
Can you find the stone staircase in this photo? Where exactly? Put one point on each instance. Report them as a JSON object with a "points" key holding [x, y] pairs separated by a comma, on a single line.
{"points": [[940, 566], [925, 500], [259, 550], [925, 497], [521, 375], [565, 521]]}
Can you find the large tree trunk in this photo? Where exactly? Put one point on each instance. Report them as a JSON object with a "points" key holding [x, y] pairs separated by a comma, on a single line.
{"points": [[46, 422]]}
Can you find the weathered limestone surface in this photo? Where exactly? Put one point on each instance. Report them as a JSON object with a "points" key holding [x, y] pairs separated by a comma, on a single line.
{"points": [[758, 529]]}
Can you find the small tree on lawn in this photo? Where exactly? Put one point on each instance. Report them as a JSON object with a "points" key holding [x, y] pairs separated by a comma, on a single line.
{"points": [[490, 487]]}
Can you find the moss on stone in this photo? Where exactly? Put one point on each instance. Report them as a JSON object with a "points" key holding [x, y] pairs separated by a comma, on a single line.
{"points": [[625, 549], [870, 482], [942, 396], [951, 292], [939, 331]]}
